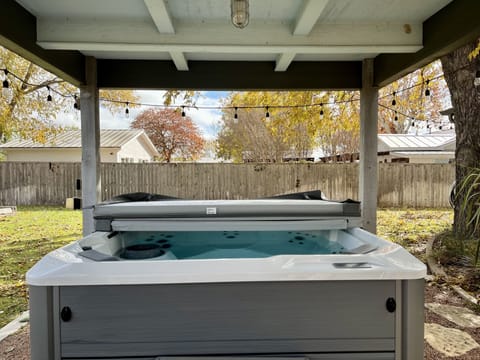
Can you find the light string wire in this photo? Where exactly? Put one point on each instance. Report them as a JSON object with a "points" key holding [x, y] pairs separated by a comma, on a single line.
{"points": [[75, 96]]}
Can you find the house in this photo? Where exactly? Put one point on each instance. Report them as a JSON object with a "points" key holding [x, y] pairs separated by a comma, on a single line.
{"points": [[434, 148], [115, 146], [437, 147]]}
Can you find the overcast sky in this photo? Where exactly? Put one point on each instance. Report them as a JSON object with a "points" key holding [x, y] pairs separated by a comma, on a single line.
{"points": [[206, 119]]}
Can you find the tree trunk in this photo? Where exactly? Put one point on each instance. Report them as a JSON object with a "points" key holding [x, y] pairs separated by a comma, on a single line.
{"points": [[460, 74]]}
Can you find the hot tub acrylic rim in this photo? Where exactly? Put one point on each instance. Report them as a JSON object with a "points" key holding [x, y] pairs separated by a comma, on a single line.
{"points": [[63, 267]]}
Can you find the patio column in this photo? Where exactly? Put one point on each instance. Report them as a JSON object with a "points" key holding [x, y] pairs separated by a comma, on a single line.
{"points": [[368, 147], [90, 120]]}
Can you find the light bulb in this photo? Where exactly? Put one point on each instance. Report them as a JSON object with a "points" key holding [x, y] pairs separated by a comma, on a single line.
{"points": [[476, 82], [235, 116], [239, 13]]}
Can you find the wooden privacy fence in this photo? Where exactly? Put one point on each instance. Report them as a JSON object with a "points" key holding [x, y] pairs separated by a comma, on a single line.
{"points": [[400, 185]]}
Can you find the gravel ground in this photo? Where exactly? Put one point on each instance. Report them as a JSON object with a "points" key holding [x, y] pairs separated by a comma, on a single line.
{"points": [[16, 346]]}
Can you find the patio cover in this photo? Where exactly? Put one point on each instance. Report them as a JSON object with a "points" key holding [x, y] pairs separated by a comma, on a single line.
{"points": [[191, 44]]}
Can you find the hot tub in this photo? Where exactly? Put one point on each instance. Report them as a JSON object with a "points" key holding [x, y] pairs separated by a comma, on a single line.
{"points": [[247, 279]]}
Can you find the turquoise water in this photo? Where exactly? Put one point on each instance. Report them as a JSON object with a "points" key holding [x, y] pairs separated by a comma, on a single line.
{"points": [[233, 244]]}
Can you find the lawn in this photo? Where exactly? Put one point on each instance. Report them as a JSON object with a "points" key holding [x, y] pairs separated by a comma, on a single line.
{"points": [[24, 238], [34, 231]]}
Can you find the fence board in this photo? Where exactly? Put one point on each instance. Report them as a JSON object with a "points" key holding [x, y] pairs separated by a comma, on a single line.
{"points": [[400, 185]]}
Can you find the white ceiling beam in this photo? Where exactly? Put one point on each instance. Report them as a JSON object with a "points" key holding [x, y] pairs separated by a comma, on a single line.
{"points": [[160, 15], [283, 61], [179, 60], [144, 32], [229, 49], [308, 17]]}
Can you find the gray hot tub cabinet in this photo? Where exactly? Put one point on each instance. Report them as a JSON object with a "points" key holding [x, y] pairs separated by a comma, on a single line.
{"points": [[317, 320]]}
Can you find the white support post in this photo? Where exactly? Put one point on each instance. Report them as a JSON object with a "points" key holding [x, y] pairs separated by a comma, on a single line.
{"points": [[368, 147], [90, 120]]}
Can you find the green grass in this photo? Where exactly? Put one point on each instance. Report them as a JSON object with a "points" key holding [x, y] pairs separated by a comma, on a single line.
{"points": [[34, 231], [24, 238], [410, 226]]}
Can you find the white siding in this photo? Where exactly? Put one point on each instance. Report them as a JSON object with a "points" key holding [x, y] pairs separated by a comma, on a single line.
{"points": [[44, 155], [135, 150]]}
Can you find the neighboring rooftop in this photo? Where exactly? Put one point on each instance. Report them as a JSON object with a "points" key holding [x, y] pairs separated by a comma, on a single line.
{"points": [[429, 142], [72, 139]]}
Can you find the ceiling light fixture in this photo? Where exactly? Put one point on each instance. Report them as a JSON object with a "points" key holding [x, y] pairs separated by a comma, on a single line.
{"points": [[240, 14]]}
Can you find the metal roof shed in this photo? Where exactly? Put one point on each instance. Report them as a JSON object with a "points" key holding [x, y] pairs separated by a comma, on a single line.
{"points": [[191, 44]]}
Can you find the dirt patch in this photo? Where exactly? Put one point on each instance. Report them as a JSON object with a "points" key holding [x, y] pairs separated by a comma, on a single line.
{"points": [[16, 346]]}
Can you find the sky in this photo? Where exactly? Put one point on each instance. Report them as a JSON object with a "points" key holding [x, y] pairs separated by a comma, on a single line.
{"points": [[207, 120]]}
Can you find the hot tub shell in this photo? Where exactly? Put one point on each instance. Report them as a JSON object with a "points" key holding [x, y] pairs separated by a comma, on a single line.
{"points": [[364, 303]]}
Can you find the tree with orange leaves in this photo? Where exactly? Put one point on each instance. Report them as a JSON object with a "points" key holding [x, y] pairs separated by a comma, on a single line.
{"points": [[174, 135]]}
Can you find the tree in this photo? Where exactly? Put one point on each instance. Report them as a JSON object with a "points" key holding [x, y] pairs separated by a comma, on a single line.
{"points": [[172, 134], [460, 74], [296, 124], [26, 111]]}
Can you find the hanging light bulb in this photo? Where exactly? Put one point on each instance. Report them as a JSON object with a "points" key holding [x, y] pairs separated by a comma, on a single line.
{"points": [[6, 90], [239, 13], [76, 103], [427, 90], [235, 116], [321, 111], [476, 82], [183, 111], [127, 110], [49, 97], [267, 114], [394, 101]]}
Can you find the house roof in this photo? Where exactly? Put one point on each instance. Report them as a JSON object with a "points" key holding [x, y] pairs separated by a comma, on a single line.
{"points": [[72, 139], [407, 142]]}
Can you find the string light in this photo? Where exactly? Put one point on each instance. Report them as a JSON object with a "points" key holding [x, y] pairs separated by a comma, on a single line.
{"points": [[127, 111], [76, 102], [396, 116], [427, 90], [235, 116], [6, 90], [5, 85], [49, 97]]}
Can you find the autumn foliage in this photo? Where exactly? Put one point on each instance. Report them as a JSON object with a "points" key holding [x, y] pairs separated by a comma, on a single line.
{"points": [[173, 135], [27, 114]]}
